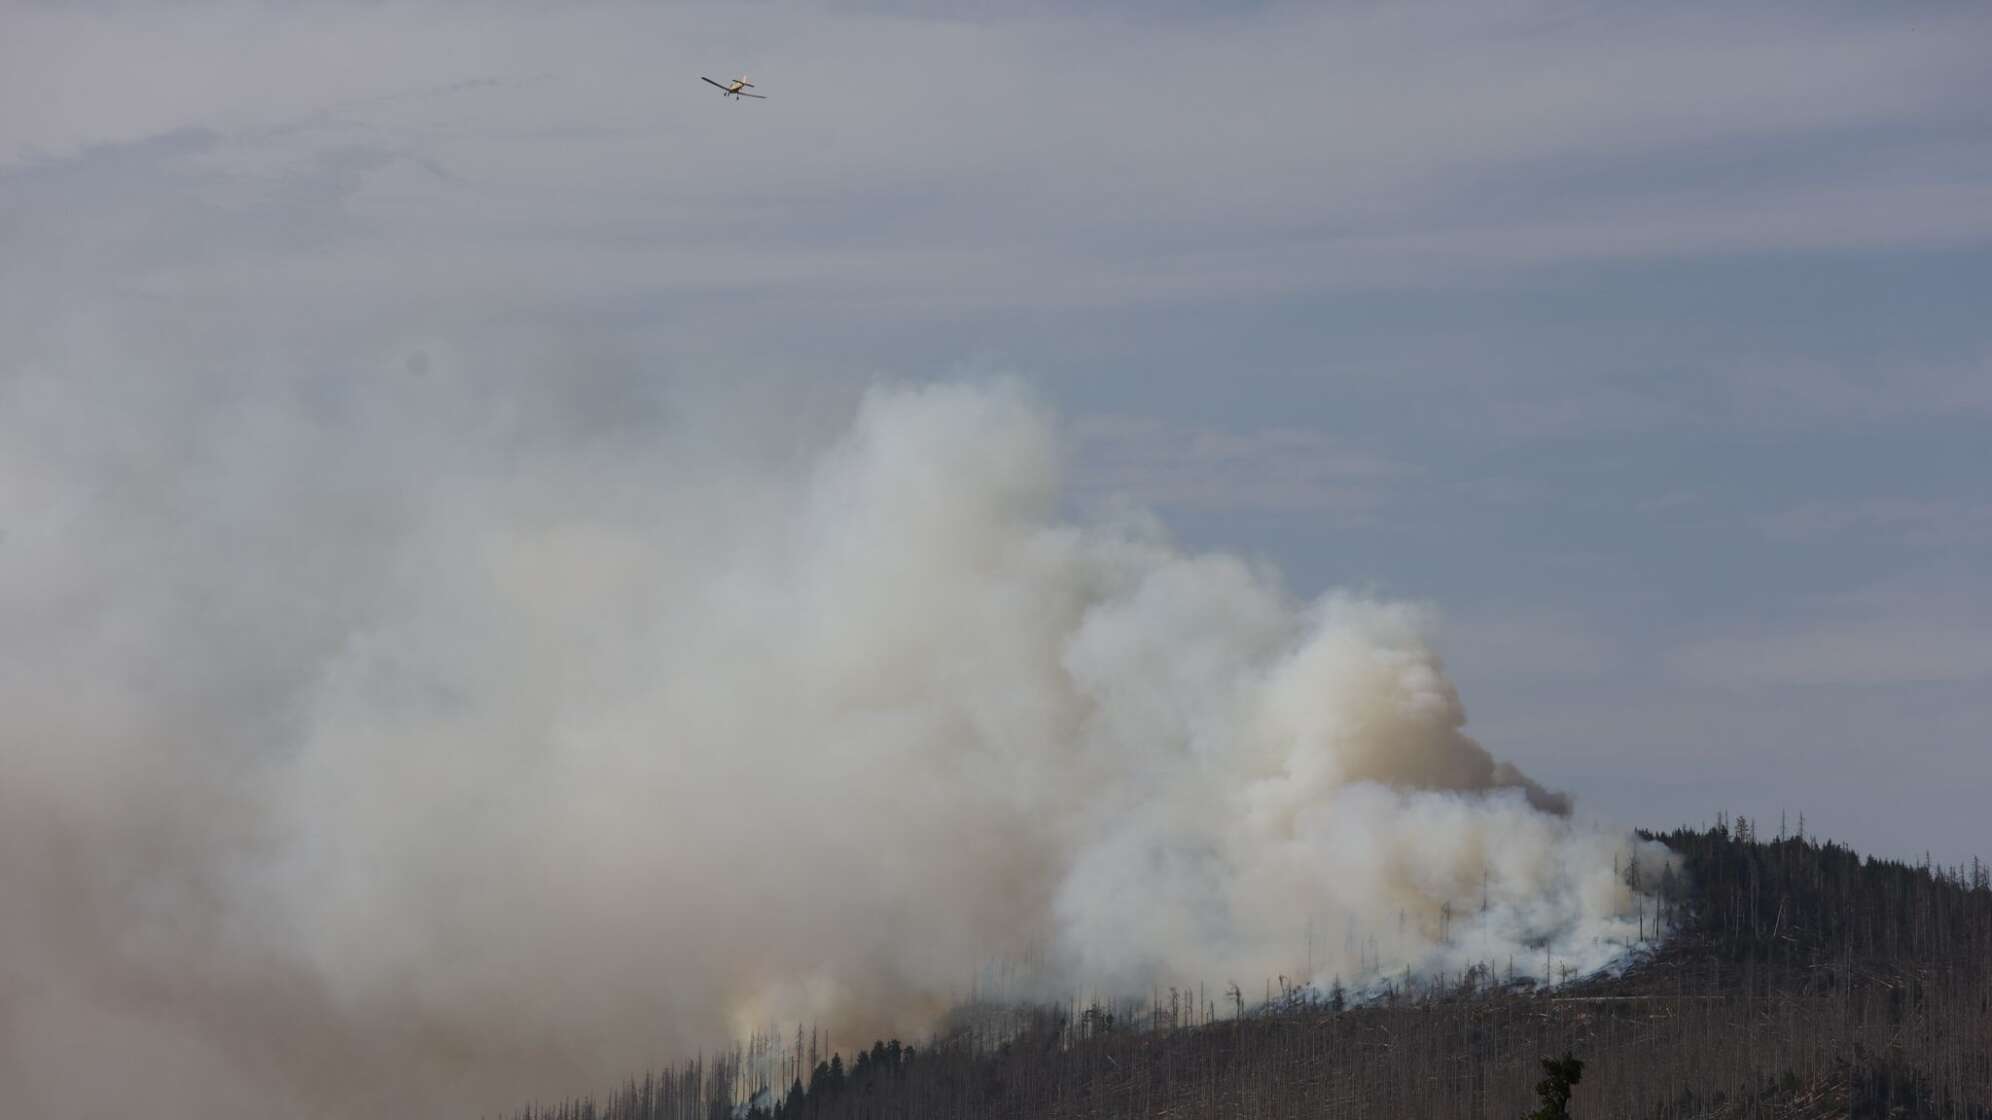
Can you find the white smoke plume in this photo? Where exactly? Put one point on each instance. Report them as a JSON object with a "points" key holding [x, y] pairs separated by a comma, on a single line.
{"points": [[453, 740]]}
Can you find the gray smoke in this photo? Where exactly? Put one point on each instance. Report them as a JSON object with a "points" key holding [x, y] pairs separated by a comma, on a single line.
{"points": [[447, 737]]}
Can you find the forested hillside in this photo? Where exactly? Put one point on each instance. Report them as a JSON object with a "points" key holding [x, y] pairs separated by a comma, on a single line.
{"points": [[1799, 980]]}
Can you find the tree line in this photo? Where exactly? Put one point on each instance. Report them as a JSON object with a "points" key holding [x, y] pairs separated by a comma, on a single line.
{"points": [[1798, 979]]}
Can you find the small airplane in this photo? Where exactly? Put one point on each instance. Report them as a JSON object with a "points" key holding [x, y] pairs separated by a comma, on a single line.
{"points": [[738, 87]]}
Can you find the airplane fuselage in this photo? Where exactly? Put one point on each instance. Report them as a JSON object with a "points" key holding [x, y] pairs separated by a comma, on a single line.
{"points": [[737, 88]]}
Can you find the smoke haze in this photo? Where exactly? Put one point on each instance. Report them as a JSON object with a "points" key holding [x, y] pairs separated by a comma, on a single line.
{"points": [[457, 740], [464, 639]]}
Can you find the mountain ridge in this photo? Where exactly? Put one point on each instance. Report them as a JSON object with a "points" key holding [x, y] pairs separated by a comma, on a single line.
{"points": [[1800, 980]]}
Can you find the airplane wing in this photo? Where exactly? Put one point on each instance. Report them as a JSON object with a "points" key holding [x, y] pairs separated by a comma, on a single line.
{"points": [[710, 82], [755, 96]]}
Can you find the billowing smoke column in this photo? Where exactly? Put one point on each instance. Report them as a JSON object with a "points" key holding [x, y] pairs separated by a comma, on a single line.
{"points": [[441, 749]]}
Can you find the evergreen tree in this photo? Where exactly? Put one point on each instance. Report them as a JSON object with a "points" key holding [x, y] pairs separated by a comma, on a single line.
{"points": [[1555, 1089]]}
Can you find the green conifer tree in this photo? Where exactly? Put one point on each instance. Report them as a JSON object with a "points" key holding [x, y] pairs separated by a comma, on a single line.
{"points": [[1555, 1089]]}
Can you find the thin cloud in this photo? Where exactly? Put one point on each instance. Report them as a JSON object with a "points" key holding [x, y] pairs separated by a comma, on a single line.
{"points": [[1855, 653], [1276, 470], [1378, 149], [1508, 645], [1929, 626], [1920, 523], [1794, 393]]}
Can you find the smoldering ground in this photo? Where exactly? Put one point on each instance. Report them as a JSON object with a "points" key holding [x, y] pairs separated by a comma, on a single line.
{"points": [[470, 736]]}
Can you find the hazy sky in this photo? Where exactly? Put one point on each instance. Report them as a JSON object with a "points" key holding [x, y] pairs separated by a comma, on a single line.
{"points": [[1651, 343]]}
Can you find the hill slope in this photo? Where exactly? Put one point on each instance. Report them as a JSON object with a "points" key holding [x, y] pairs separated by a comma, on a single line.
{"points": [[1803, 981]]}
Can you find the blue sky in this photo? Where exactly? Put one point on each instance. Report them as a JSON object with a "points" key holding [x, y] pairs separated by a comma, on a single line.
{"points": [[1648, 343]]}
